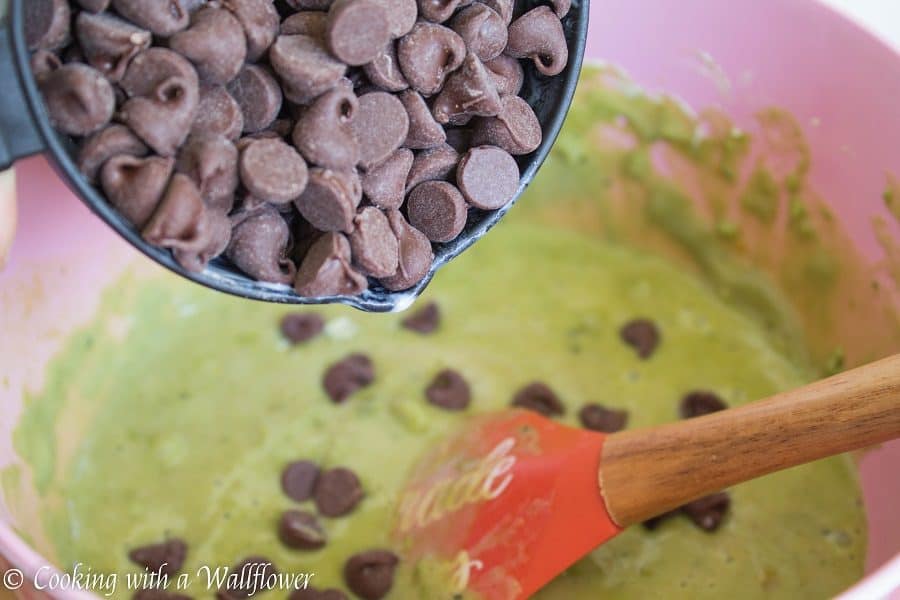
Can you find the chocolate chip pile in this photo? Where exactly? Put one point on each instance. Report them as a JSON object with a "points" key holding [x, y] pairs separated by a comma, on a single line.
{"points": [[321, 143]]}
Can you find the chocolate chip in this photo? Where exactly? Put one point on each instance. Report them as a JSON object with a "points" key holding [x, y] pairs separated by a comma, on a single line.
{"points": [[324, 135], [516, 129], [166, 557], [330, 200], [434, 164], [178, 219], [301, 530], [429, 53], [561, 7], [347, 376], [600, 418], [384, 71], [109, 44], [134, 186], [488, 177], [316, 594], [385, 185], [273, 171], [46, 24], [370, 574], [93, 5], [416, 255], [152, 68], [468, 92], [79, 99], [260, 21], [401, 15], [258, 95], [211, 161], [538, 35], [162, 17], [380, 127], [249, 576], [375, 249], [504, 8], [642, 335], [306, 67], [699, 403], [307, 22], [337, 492], [258, 246], [103, 145], [44, 61], [449, 390], [483, 30], [298, 479], [507, 74], [299, 328], [157, 594], [215, 43], [326, 269], [708, 512], [424, 131], [653, 523], [540, 398], [437, 209], [426, 320], [357, 30], [214, 237], [438, 11]]}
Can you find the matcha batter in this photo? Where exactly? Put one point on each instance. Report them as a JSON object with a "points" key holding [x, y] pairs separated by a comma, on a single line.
{"points": [[187, 405]]}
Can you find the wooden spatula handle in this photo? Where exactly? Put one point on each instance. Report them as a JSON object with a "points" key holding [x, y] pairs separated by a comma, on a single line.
{"points": [[647, 472]]}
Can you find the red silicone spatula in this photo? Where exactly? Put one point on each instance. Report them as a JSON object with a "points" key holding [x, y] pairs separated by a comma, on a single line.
{"points": [[506, 504]]}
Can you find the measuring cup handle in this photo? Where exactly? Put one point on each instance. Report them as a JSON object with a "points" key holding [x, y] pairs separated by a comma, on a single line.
{"points": [[19, 136]]}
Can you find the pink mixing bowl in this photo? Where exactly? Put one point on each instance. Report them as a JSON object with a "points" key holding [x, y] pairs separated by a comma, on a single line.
{"points": [[840, 82]]}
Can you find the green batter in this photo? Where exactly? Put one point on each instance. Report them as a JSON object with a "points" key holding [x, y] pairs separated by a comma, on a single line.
{"points": [[187, 404]]}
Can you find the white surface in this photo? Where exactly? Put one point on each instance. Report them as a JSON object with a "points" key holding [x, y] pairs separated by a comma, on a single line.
{"points": [[882, 17]]}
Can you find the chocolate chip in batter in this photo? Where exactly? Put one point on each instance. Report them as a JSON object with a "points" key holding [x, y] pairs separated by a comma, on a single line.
{"points": [[347, 376], [488, 177], [599, 418], [642, 335], [370, 574], [540, 398], [708, 512], [166, 557], [299, 328], [699, 403], [425, 320], [337, 492], [298, 479], [437, 209], [301, 530], [449, 390]]}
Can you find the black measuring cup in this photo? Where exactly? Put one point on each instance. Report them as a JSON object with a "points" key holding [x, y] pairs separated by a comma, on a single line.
{"points": [[25, 130]]}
